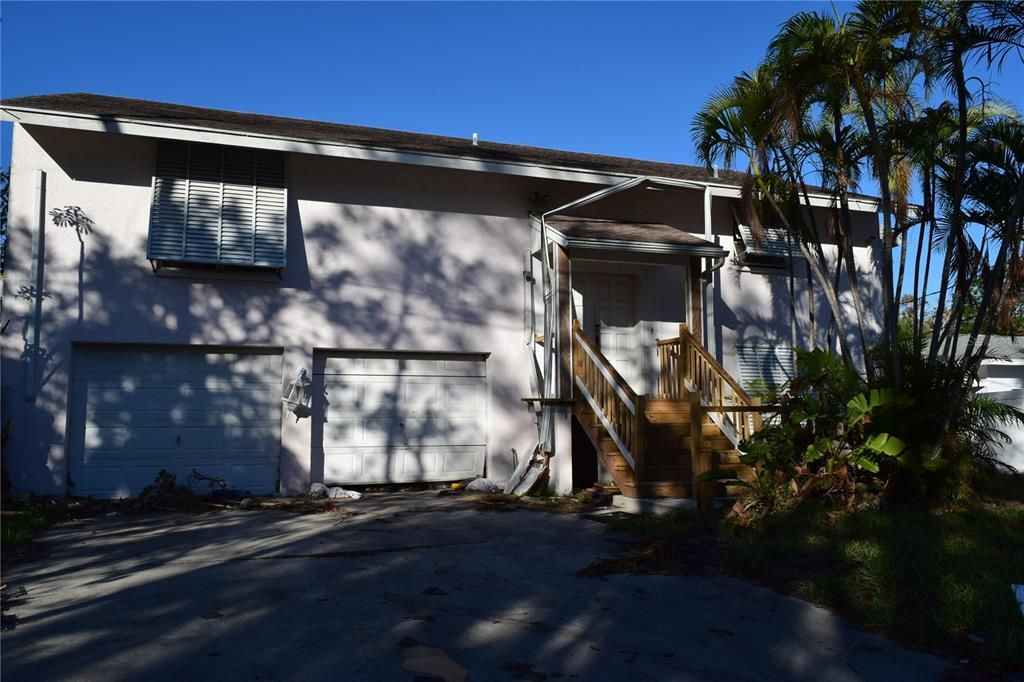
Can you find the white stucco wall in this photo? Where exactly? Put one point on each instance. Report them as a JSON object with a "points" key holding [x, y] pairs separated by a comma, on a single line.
{"points": [[381, 256], [753, 302]]}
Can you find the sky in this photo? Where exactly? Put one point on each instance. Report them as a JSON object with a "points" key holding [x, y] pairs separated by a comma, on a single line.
{"points": [[611, 78], [621, 79]]}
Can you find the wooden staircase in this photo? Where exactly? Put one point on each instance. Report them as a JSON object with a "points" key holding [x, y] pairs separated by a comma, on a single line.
{"points": [[657, 446], [666, 469]]}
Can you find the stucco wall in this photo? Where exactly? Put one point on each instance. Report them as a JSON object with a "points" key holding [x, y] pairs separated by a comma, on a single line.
{"points": [[379, 257], [753, 302]]}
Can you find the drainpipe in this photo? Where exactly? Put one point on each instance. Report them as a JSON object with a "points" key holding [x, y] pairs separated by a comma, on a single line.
{"points": [[35, 312], [707, 280]]}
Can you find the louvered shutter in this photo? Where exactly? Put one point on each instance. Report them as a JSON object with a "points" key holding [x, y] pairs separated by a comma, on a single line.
{"points": [[774, 243], [269, 248], [170, 192], [772, 365], [215, 204]]}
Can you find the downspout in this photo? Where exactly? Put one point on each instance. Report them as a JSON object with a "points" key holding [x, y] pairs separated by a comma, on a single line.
{"points": [[36, 310], [707, 294]]}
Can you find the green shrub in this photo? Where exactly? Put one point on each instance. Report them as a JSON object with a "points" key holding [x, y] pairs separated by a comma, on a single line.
{"points": [[838, 435]]}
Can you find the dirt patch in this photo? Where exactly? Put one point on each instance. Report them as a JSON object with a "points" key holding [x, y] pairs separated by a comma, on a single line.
{"points": [[699, 554], [582, 502]]}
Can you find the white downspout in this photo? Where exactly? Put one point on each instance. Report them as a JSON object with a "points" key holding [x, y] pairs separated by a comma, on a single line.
{"points": [[707, 294], [35, 311]]}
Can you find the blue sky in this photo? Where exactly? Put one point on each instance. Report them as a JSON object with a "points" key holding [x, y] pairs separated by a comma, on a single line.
{"points": [[612, 78], [618, 79]]}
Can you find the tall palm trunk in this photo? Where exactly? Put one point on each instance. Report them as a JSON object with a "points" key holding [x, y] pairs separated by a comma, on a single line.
{"points": [[881, 160]]}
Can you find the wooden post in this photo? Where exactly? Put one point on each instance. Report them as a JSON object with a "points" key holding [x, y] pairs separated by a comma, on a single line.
{"points": [[703, 491], [577, 359], [640, 441], [696, 302], [755, 401], [684, 359], [563, 294]]}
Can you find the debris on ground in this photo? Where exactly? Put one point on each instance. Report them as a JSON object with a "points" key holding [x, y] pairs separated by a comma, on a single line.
{"points": [[583, 502], [482, 485], [9, 597], [530, 475], [696, 555], [337, 493], [163, 489]]}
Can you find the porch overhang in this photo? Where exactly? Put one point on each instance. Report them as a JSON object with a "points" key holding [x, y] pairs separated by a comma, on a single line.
{"points": [[604, 235]]}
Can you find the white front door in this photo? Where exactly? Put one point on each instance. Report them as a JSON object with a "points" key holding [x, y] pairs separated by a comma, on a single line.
{"points": [[606, 306]]}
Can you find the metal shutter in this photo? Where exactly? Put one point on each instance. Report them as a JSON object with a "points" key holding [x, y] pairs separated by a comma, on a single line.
{"points": [[774, 243], [773, 365], [214, 204]]}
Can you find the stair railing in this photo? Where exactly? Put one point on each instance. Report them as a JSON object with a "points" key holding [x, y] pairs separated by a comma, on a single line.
{"points": [[685, 365], [617, 406]]}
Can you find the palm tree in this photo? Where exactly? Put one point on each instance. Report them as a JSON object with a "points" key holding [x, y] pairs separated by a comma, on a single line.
{"points": [[813, 57], [742, 121]]}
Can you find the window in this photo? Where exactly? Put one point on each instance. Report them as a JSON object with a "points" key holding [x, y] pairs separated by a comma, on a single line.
{"points": [[764, 364], [773, 248], [217, 205]]}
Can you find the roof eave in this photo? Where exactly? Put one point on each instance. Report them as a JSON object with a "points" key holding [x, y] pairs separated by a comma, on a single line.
{"points": [[700, 251], [129, 126]]}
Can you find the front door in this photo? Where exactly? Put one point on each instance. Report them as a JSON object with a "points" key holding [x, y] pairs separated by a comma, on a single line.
{"points": [[606, 307]]}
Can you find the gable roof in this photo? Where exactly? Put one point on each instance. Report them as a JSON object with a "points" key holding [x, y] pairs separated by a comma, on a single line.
{"points": [[106, 107]]}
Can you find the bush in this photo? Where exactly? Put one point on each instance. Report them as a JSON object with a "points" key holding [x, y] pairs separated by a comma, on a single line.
{"points": [[839, 436]]}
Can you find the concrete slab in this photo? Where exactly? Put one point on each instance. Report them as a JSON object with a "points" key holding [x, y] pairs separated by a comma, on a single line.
{"points": [[410, 585], [652, 505]]}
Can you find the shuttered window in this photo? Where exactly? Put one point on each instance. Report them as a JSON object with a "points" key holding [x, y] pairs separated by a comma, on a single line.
{"points": [[220, 205], [761, 363], [774, 244]]}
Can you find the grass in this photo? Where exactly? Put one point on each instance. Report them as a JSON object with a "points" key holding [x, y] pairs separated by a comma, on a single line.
{"points": [[19, 527], [930, 579], [938, 581]]}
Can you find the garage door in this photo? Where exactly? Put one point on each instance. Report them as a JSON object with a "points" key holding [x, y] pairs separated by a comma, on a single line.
{"points": [[399, 419], [135, 412]]}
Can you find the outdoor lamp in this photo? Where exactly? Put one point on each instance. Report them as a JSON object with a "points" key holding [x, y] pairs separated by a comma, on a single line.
{"points": [[297, 397]]}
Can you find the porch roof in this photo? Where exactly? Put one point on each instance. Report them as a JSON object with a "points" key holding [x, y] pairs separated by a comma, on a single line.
{"points": [[600, 233]]}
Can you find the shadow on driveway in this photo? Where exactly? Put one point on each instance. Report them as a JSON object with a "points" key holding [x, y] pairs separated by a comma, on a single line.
{"points": [[409, 586]]}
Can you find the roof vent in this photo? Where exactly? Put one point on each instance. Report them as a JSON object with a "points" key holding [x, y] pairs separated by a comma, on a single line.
{"points": [[714, 171], [476, 139]]}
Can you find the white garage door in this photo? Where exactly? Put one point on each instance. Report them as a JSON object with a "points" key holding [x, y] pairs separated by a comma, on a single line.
{"points": [[399, 419], [135, 412]]}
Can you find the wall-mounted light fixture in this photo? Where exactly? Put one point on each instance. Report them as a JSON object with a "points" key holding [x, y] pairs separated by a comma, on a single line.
{"points": [[297, 396]]}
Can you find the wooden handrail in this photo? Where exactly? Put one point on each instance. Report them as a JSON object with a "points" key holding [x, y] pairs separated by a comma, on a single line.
{"points": [[743, 408], [685, 363], [611, 374], [616, 404]]}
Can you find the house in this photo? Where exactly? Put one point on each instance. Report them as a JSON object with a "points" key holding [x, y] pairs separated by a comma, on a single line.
{"points": [[454, 304], [1001, 377]]}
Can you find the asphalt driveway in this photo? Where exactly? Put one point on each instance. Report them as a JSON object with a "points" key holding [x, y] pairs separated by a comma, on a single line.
{"points": [[408, 587]]}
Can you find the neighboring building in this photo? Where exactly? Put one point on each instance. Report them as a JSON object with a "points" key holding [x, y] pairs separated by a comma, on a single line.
{"points": [[1001, 377], [171, 268]]}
